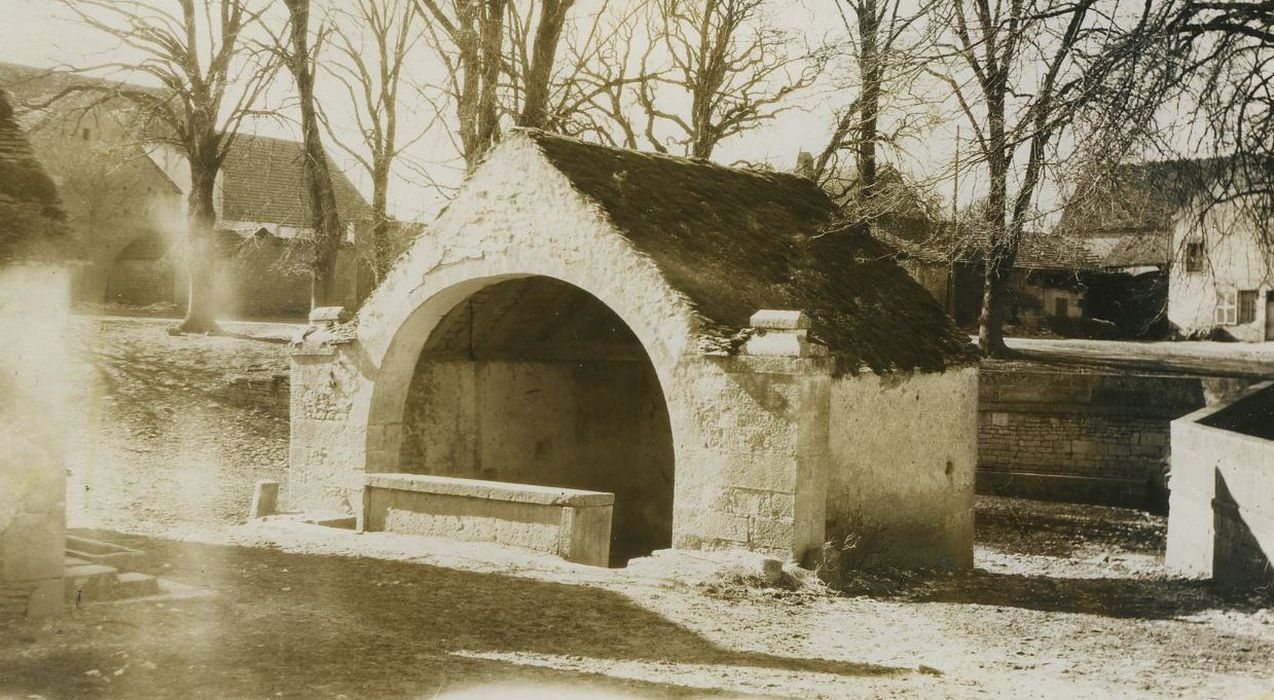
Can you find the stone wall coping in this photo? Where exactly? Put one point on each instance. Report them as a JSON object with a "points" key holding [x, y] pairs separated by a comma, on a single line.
{"points": [[328, 314], [1193, 419], [780, 319], [489, 490]]}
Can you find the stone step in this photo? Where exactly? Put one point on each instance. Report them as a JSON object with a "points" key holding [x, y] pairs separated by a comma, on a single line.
{"points": [[134, 585], [75, 561], [99, 552], [88, 582]]}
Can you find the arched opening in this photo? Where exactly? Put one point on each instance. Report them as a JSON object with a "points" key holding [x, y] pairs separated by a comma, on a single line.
{"points": [[142, 273], [535, 381]]}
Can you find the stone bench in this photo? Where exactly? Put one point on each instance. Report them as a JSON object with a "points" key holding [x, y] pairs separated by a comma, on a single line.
{"points": [[572, 524]]}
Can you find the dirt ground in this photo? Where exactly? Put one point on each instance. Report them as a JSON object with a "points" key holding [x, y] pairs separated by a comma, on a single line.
{"points": [[161, 446], [1066, 601]]}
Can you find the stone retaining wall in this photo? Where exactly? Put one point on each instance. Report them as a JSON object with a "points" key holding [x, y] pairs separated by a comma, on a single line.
{"points": [[1098, 438], [267, 391], [1221, 522]]}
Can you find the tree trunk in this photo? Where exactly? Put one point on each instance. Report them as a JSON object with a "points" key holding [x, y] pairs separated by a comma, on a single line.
{"points": [[201, 252], [543, 53], [325, 219], [991, 319], [869, 102], [382, 252], [1001, 248]]}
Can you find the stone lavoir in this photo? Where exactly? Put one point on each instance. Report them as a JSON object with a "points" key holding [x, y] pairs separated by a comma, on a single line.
{"points": [[703, 343]]}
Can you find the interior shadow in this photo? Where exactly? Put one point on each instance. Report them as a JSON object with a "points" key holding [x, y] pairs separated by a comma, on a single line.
{"points": [[1127, 598]]}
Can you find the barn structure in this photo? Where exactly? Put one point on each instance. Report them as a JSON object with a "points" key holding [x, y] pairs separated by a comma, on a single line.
{"points": [[602, 352]]}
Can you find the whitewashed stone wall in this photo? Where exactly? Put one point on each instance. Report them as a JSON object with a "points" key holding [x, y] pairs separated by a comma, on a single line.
{"points": [[903, 465], [1232, 261], [750, 433], [34, 311]]}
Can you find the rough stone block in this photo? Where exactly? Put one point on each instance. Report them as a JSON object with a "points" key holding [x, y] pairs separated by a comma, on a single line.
{"points": [[774, 533], [775, 319], [32, 546], [265, 499]]}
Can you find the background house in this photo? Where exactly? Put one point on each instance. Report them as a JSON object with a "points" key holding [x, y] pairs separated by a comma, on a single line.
{"points": [[125, 201], [1198, 270], [1223, 283], [1049, 287]]}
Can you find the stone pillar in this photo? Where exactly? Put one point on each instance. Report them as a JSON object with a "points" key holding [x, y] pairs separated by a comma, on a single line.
{"points": [[755, 475], [328, 446], [35, 311]]}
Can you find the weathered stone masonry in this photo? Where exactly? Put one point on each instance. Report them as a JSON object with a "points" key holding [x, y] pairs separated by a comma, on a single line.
{"points": [[1094, 437], [703, 295]]}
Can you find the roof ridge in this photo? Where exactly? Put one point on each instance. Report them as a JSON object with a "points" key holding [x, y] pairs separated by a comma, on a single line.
{"points": [[537, 134]]}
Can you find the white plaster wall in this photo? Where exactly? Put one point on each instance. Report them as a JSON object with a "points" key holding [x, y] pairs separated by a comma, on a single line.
{"points": [[34, 311], [1232, 260], [1201, 456], [902, 467]]}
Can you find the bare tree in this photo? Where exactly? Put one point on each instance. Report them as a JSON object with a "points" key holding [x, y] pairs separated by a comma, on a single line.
{"points": [[737, 69], [886, 43], [1224, 64], [1077, 51], [469, 41], [536, 66], [198, 52], [370, 67], [295, 51], [590, 74]]}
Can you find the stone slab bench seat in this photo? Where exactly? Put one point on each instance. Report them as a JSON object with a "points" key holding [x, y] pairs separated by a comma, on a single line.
{"points": [[570, 523]]}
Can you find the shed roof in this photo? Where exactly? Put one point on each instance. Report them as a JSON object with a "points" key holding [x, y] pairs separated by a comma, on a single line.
{"points": [[30, 210], [734, 241]]}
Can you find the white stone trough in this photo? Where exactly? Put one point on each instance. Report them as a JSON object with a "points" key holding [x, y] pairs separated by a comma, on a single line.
{"points": [[570, 523]]}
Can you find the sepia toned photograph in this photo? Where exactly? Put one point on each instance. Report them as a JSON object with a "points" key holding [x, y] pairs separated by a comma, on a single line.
{"points": [[564, 349]]}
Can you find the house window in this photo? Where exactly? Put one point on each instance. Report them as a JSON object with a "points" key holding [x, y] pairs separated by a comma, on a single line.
{"points": [[85, 134], [1247, 306], [1061, 307], [1194, 257], [1227, 308]]}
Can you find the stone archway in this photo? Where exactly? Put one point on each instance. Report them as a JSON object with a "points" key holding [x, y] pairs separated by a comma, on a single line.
{"points": [[533, 380], [142, 273]]}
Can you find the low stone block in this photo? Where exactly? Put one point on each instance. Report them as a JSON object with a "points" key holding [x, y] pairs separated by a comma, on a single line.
{"points": [[47, 599], [265, 499]]}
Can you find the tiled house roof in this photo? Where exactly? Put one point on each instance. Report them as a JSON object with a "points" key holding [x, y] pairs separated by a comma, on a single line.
{"points": [[30, 210], [262, 180], [1140, 251], [1038, 251], [262, 177], [1137, 197]]}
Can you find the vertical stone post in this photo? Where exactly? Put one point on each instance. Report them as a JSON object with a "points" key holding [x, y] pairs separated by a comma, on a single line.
{"points": [[328, 448], [34, 369], [756, 475]]}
